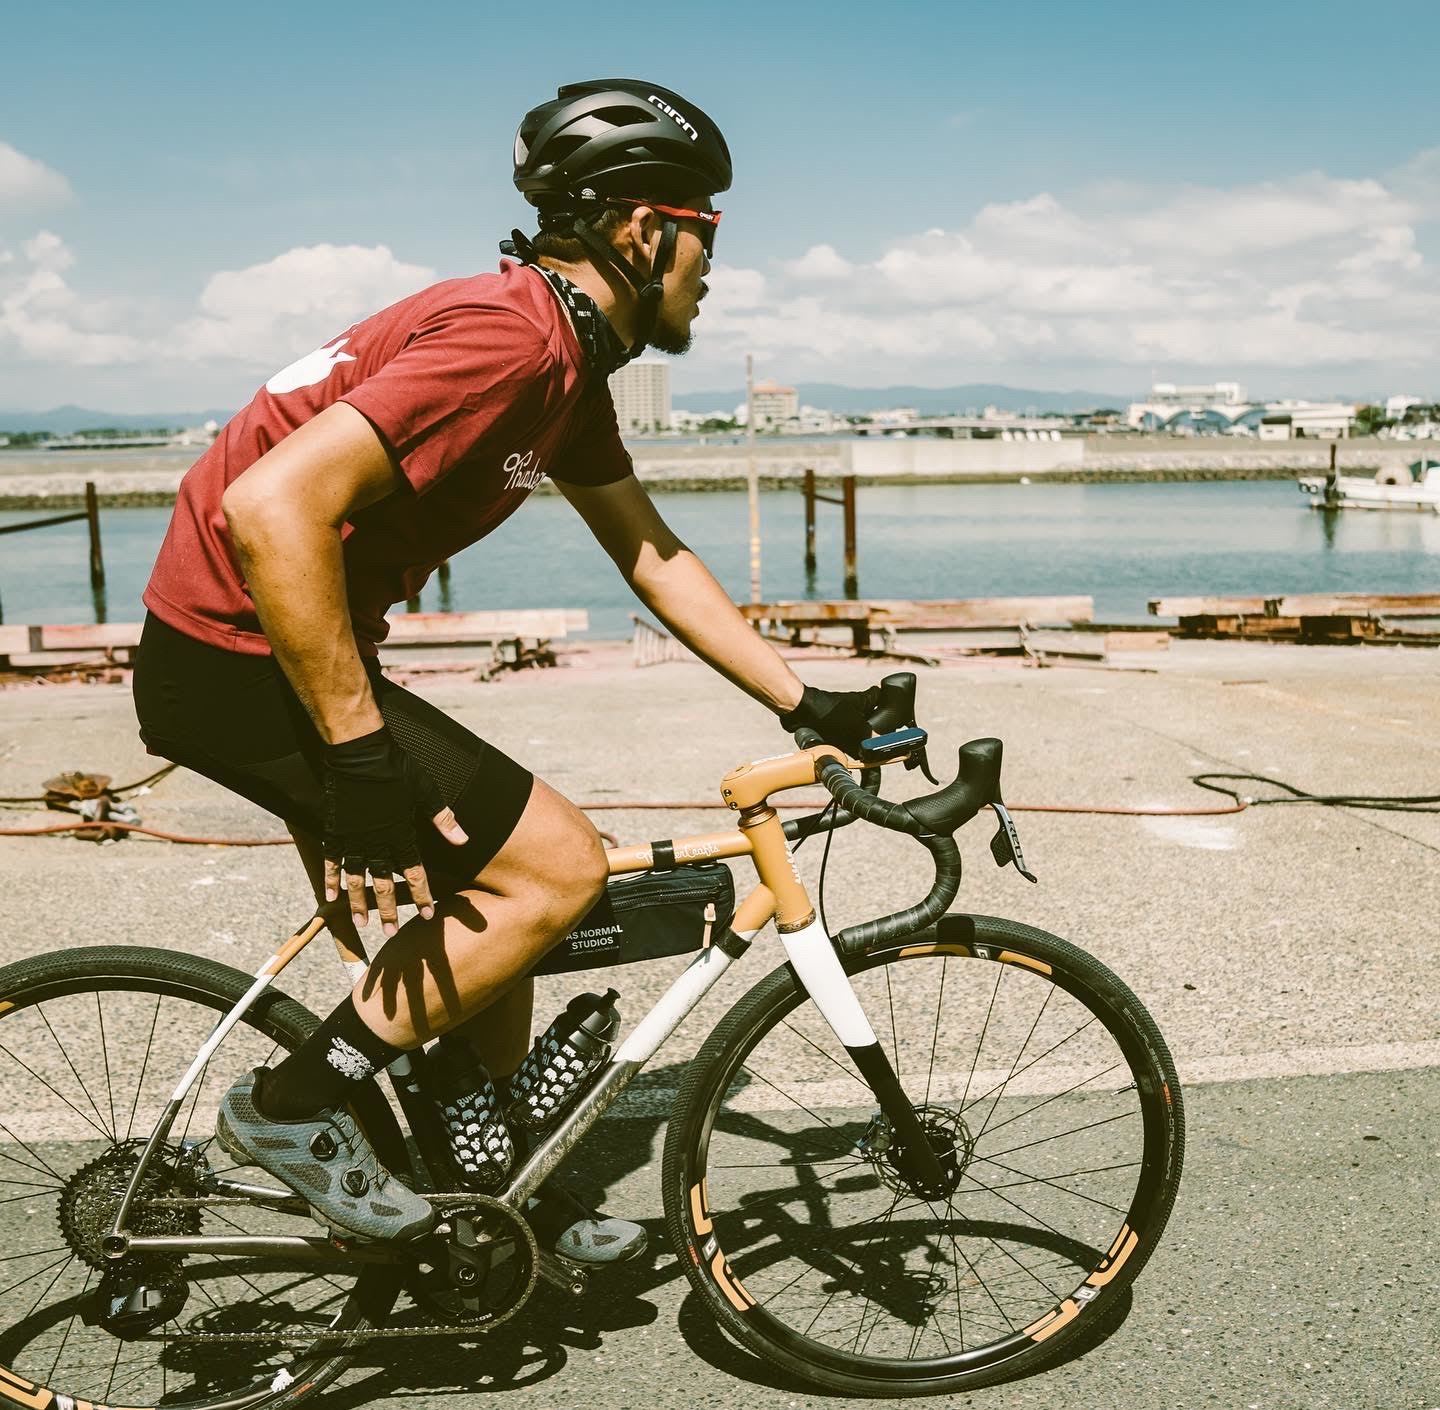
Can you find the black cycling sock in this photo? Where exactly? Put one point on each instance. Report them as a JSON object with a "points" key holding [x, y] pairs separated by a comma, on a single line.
{"points": [[324, 1069]]}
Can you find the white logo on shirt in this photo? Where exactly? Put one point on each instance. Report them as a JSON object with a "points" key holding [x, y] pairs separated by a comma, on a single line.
{"points": [[521, 476], [312, 368]]}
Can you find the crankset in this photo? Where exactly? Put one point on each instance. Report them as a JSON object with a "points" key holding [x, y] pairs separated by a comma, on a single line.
{"points": [[479, 1265]]}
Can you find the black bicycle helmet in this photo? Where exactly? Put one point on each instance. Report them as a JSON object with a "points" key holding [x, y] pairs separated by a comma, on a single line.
{"points": [[614, 138], [619, 137]]}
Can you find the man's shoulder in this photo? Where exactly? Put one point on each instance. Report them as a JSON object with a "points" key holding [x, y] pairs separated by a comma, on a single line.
{"points": [[510, 293]]}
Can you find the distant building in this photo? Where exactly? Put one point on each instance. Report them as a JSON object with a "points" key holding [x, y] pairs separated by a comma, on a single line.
{"points": [[642, 396], [1396, 407], [694, 420], [774, 404], [1168, 400]]}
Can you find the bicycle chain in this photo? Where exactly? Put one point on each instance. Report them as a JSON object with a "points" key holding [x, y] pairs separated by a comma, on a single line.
{"points": [[306, 1339]]}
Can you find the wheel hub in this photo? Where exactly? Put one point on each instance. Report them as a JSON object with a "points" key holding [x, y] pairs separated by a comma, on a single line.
{"points": [[949, 1137]]}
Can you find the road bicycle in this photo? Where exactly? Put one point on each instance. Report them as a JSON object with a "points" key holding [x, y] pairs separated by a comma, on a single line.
{"points": [[926, 1154]]}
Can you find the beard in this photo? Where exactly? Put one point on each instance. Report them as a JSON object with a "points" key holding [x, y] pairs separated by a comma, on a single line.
{"points": [[673, 337], [670, 338]]}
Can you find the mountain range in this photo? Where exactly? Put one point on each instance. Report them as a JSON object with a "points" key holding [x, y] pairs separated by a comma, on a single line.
{"points": [[928, 401], [66, 420]]}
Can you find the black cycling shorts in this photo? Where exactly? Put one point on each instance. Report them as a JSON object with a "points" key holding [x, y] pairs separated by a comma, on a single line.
{"points": [[234, 718]]}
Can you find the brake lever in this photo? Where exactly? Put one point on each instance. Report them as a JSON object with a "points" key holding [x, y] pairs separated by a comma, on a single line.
{"points": [[919, 760], [1005, 845]]}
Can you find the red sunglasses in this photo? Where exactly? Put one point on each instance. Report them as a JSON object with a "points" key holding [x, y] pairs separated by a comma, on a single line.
{"points": [[708, 219]]}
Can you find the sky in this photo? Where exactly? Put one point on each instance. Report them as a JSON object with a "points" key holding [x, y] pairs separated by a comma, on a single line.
{"points": [[1048, 195]]}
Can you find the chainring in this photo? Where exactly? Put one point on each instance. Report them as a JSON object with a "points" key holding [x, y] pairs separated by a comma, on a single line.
{"points": [[479, 1267]]}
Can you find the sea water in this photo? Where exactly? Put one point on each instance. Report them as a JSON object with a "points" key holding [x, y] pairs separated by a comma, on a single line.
{"points": [[1119, 543]]}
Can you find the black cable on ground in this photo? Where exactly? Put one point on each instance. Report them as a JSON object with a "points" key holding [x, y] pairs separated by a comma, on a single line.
{"points": [[1379, 802]]}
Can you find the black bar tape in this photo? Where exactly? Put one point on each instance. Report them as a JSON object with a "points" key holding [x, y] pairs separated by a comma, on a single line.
{"points": [[857, 939], [854, 799], [662, 855]]}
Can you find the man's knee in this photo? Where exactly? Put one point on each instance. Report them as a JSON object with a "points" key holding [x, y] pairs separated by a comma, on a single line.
{"points": [[555, 858]]}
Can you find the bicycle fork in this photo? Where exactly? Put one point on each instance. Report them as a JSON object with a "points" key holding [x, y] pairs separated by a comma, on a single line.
{"points": [[813, 957]]}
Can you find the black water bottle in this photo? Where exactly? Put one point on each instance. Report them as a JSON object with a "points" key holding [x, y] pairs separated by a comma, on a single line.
{"points": [[563, 1060]]}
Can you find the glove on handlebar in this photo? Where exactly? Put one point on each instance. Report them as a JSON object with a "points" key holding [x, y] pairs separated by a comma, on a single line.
{"points": [[838, 717], [373, 794]]}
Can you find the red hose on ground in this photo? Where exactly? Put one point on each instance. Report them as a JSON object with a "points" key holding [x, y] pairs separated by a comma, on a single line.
{"points": [[674, 807]]}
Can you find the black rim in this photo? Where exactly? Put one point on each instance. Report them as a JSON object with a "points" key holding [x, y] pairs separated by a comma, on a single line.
{"points": [[86, 1063], [827, 1256]]}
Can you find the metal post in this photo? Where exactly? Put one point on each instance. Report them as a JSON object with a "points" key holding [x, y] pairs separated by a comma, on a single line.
{"points": [[809, 521], [97, 560], [852, 581], [752, 478]]}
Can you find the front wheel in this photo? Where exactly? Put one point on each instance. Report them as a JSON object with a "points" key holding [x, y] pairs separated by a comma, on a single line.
{"points": [[1037, 1075]]}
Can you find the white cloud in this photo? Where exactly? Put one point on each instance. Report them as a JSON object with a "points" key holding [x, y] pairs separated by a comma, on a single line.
{"points": [[27, 184], [264, 314], [44, 320], [1303, 275]]}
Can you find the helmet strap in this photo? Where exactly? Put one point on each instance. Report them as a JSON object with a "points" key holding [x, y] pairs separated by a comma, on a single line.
{"points": [[649, 290]]}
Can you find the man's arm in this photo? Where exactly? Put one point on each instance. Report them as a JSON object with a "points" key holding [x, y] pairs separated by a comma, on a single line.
{"points": [[679, 589], [285, 514]]}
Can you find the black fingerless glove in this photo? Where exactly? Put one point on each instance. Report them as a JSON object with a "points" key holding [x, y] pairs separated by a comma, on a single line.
{"points": [[373, 793], [838, 717]]}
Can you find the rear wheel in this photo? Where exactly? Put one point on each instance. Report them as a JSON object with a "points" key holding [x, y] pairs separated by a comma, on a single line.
{"points": [[1039, 1078], [92, 1043]]}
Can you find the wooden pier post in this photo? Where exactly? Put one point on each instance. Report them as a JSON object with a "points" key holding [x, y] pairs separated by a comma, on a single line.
{"points": [[1332, 486], [852, 581], [97, 558], [809, 488]]}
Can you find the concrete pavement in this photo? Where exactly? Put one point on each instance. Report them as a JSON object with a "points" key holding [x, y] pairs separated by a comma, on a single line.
{"points": [[1287, 953]]}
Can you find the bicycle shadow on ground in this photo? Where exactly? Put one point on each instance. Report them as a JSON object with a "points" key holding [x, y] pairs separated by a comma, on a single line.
{"points": [[536, 1345]]}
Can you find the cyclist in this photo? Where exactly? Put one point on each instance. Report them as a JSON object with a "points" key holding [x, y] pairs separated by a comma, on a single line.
{"points": [[333, 495]]}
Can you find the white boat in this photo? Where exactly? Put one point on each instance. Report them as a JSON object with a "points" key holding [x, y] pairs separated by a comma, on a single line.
{"points": [[1417, 486]]}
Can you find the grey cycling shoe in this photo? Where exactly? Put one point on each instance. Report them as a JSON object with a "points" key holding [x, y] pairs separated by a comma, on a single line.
{"points": [[564, 1225], [325, 1159]]}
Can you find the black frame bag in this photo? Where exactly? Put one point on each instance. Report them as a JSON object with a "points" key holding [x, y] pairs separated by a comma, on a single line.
{"points": [[646, 916]]}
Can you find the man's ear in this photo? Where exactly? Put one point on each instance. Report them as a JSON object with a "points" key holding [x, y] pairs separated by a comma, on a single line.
{"points": [[639, 230]]}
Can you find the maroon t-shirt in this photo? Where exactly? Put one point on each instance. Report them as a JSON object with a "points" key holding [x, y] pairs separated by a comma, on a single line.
{"points": [[479, 390]]}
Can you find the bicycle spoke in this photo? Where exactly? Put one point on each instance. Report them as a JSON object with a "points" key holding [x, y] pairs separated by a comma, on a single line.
{"points": [[830, 1057], [955, 1265], [85, 1091], [110, 1384], [105, 1056], [965, 1104], [34, 1184], [41, 1169], [935, 1038], [1027, 1270], [69, 1326], [50, 1086], [144, 1065], [1041, 1058], [1010, 1076], [1059, 1136], [20, 1283], [787, 1096]]}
